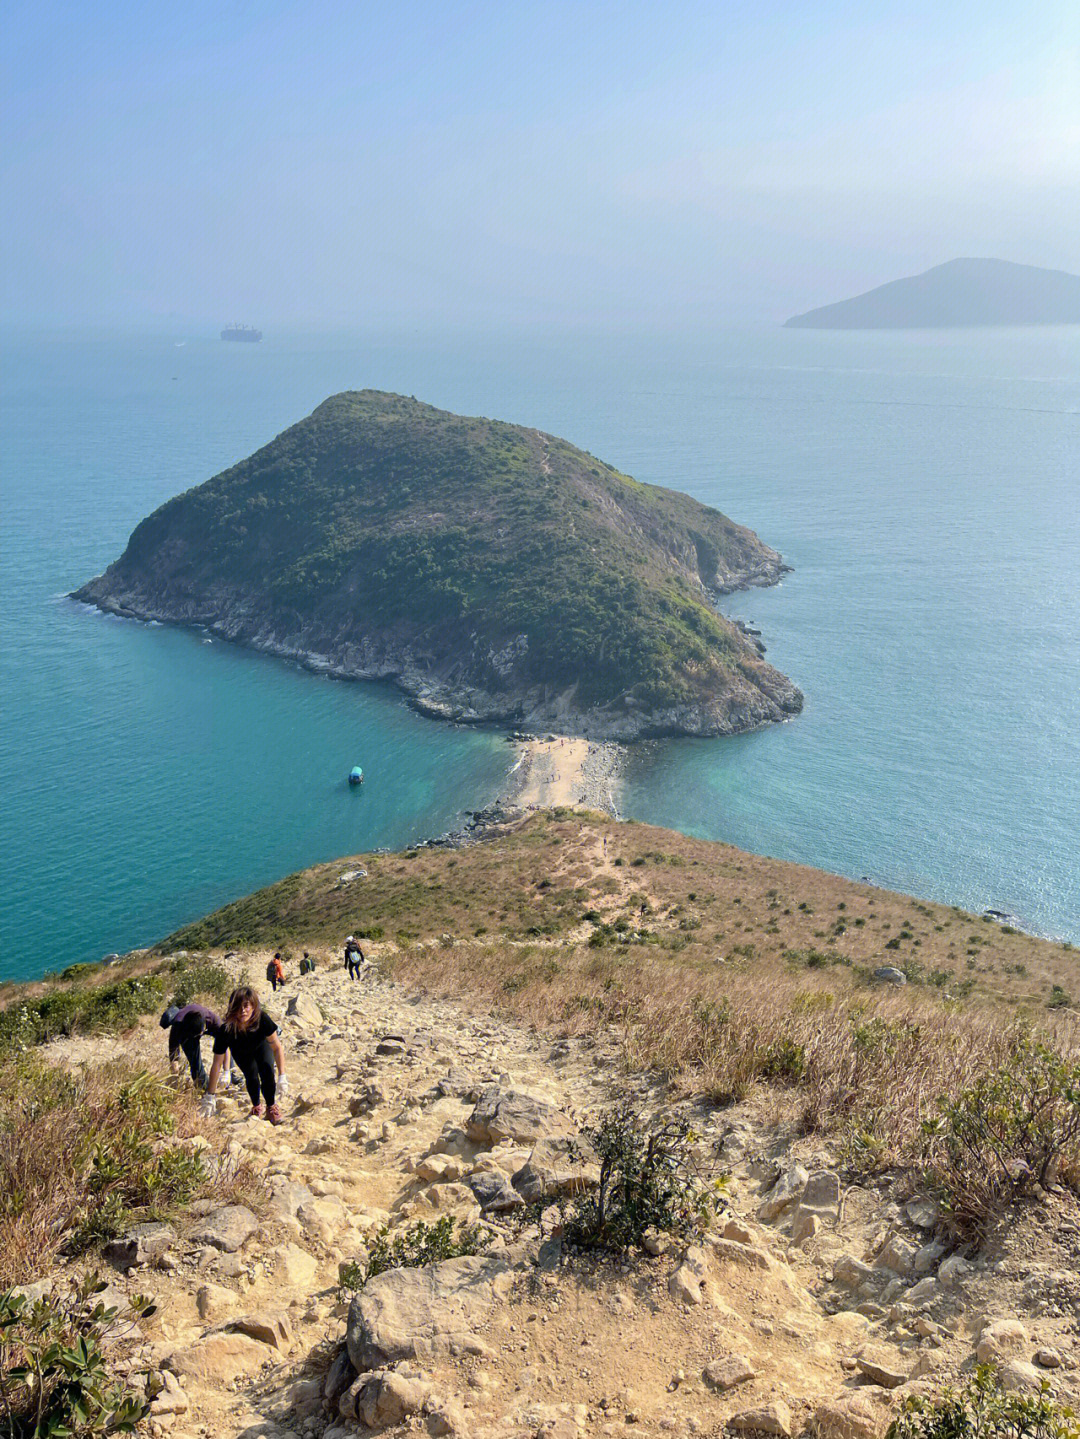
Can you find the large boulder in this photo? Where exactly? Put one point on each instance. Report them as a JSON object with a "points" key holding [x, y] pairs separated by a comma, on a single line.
{"points": [[381, 1399], [774, 1418], [305, 1011], [849, 1416], [507, 1114], [417, 1313], [493, 1192], [557, 1167], [1001, 1339]]}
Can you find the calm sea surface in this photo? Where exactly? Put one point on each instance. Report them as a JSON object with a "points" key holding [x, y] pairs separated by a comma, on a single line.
{"points": [[925, 487]]}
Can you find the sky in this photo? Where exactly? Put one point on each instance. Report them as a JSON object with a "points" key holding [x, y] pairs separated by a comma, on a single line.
{"points": [[631, 164]]}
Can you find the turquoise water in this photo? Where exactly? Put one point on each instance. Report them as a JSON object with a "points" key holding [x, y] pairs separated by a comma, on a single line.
{"points": [[926, 488]]}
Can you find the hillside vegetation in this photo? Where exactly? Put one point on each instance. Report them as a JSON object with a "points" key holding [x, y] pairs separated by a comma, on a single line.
{"points": [[493, 571]]}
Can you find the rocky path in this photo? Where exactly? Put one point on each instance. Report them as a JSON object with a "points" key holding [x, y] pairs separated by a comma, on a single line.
{"points": [[796, 1313]]}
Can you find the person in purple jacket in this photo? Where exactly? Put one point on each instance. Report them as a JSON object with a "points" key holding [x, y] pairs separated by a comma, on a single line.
{"points": [[186, 1028]]}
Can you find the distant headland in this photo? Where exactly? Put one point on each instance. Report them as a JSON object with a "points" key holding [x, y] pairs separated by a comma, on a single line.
{"points": [[493, 572], [958, 293]]}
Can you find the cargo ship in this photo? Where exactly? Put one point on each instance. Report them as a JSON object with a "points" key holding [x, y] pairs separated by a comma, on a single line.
{"points": [[241, 332]]}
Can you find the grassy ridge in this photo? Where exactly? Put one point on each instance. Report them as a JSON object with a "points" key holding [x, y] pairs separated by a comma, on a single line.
{"points": [[573, 879]]}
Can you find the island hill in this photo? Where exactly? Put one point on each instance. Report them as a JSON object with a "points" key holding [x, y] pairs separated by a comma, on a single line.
{"points": [[492, 571], [956, 294]]}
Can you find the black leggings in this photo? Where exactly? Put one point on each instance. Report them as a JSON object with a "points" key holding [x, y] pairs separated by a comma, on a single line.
{"points": [[188, 1038], [259, 1072]]}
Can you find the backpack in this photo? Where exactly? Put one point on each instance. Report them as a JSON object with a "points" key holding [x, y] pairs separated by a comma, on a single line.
{"points": [[272, 969]]}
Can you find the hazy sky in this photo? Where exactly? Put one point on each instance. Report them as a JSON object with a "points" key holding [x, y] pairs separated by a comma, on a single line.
{"points": [[525, 161]]}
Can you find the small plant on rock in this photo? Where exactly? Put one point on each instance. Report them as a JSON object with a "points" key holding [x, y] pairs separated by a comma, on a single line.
{"points": [[982, 1409], [649, 1180], [414, 1248], [54, 1371]]}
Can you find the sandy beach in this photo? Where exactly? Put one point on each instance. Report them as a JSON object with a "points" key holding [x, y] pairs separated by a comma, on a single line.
{"points": [[567, 771]]}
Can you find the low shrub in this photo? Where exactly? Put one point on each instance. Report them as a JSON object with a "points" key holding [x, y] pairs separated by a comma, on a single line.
{"points": [[649, 1180], [414, 1248], [1010, 1131], [982, 1409], [54, 1367]]}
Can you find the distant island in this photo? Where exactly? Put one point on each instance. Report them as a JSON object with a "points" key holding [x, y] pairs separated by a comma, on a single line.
{"points": [[958, 293], [492, 571]]}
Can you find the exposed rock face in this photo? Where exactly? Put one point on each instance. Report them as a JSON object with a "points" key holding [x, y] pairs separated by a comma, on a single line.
{"points": [[505, 1114], [492, 572], [411, 1313], [228, 1228], [556, 1167], [141, 1245]]}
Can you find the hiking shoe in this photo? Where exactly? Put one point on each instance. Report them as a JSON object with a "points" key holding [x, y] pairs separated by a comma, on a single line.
{"points": [[256, 1111], [274, 1114]]}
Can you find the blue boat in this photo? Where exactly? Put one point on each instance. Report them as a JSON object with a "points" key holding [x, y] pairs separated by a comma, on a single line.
{"points": [[356, 775]]}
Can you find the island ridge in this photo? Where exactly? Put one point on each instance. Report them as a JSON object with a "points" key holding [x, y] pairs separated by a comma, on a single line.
{"points": [[492, 571]]}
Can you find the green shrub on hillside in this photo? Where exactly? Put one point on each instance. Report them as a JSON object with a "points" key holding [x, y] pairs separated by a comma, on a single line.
{"points": [[87, 1008], [55, 1378], [649, 1180], [414, 1248], [982, 1409], [1012, 1131]]}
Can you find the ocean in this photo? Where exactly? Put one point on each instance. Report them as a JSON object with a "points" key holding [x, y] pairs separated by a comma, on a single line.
{"points": [[925, 488]]}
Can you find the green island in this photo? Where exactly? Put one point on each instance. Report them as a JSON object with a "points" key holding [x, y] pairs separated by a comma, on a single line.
{"points": [[493, 572]]}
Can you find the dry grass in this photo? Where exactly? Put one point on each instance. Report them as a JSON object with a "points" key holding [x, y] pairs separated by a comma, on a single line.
{"points": [[538, 879], [123, 1138], [866, 1066]]}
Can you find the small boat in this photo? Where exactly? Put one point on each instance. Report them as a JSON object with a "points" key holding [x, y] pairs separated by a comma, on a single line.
{"points": [[356, 775]]}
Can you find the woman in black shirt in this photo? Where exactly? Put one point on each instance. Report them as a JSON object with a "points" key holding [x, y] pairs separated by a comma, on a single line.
{"points": [[251, 1037]]}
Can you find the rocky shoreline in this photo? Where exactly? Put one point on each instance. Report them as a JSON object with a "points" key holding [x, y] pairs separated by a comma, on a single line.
{"points": [[755, 700]]}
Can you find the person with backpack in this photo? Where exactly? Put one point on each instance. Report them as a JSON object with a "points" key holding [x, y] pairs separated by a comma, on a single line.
{"points": [[251, 1037], [354, 957], [275, 973], [307, 964]]}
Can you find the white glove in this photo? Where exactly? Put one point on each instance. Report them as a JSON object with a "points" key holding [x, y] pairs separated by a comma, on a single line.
{"points": [[207, 1106], [283, 1083]]}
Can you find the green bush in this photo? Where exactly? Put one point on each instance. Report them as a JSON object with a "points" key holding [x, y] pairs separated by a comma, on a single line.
{"points": [[419, 1245], [649, 1180], [983, 1410], [1011, 1131], [54, 1372]]}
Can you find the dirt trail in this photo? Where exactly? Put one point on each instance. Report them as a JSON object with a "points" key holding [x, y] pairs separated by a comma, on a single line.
{"points": [[574, 1347]]}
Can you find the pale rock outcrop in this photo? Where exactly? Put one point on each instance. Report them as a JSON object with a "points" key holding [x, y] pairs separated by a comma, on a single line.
{"points": [[506, 1114], [411, 1313], [228, 1228], [218, 1357]]}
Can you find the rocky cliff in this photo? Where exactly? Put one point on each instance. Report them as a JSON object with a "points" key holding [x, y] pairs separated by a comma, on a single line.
{"points": [[491, 571]]}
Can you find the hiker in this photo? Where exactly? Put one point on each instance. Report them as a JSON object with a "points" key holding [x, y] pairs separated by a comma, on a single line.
{"points": [[251, 1037], [275, 973], [186, 1028], [354, 957], [307, 964]]}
